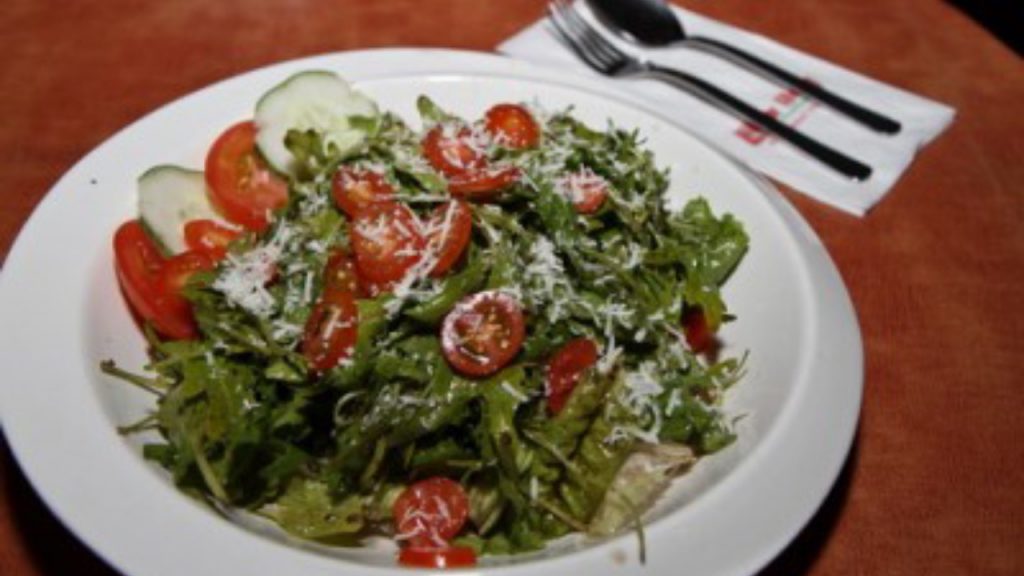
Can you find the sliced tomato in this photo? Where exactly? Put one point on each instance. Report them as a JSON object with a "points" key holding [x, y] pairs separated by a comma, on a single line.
{"points": [[178, 270], [354, 189], [241, 186], [565, 369], [387, 240], [483, 333], [152, 283], [138, 263], [340, 274], [209, 237], [173, 277], [698, 332], [512, 126], [447, 557], [586, 190], [455, 154], [331, 330], [484, 183], [452, 150], [430, 512], [448, 234]]}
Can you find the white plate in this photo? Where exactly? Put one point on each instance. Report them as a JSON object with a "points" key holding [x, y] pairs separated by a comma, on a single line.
{"points": [[61, 314]]}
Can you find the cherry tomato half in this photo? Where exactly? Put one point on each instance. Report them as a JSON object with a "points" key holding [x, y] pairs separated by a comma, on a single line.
{"points": [[483, 333], [430, 512], [585, 189], [484, 183], [447, 557], [354, 189], [698, 332], [448, 234], [340, 274], [331, 330], [241, 186], [512, 125], [452, 150], [387, 240], [139, 267], [565, 369], [210, 238]]}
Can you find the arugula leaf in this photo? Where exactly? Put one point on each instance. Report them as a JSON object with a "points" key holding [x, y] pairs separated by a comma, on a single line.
{"points": [[307, 510]]}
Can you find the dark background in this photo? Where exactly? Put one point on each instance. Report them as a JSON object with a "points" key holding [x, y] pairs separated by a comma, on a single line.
{"points": [[1004, 18]]}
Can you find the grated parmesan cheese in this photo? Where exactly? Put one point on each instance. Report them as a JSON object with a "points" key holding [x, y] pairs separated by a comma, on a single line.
{"points": [[513, 392], [244, 277]]}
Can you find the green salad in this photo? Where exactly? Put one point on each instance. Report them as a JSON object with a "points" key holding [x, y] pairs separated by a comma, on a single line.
{"points": [[474, 338]]}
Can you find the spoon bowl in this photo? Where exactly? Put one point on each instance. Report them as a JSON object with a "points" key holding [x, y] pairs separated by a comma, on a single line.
{"points": [[644, 22]]}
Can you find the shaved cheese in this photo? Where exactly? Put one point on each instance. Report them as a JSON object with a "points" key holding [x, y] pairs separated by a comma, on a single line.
{"points": [[282, 331], [609, 357], [307, 288], [635, 256], [546, 279], [244, 277], [411, 160], [675, 401], [513, 392], [641, 385], [641, 392]]}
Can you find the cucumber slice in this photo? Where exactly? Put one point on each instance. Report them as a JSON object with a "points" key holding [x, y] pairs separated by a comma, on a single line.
{"points": [[170, 196], [316, 100]]}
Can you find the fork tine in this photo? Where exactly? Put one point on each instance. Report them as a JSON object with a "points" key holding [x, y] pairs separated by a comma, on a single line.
{"points": [[603, 56], [579, 36], [590, 35], [573, 41], [569, 40]]}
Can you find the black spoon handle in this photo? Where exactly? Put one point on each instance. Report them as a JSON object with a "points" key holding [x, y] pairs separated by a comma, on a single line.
{"points": [[849, 167], [869, 118]]}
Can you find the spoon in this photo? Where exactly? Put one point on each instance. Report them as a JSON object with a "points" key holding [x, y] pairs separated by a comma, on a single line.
{"points": [[652, 23]]}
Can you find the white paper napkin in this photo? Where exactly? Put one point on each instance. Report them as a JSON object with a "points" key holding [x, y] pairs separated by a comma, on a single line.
{"points": [[889, 156]]}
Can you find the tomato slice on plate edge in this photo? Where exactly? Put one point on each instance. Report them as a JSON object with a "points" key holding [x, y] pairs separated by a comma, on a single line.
{"points": [[445, 557], [147, 285]]}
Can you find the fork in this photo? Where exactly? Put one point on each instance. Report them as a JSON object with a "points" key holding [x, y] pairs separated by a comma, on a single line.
{"points": [[607, 59]]}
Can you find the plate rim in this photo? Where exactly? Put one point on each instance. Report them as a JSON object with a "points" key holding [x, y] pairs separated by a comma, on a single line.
{"points": [[840, 315]]}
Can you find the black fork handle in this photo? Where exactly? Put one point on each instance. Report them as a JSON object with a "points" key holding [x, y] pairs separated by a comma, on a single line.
{"points": [[849, 167], [871, 119]]}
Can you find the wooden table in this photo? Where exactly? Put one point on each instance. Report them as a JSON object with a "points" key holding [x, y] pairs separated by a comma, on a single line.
{"points": [[934, 482]]}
